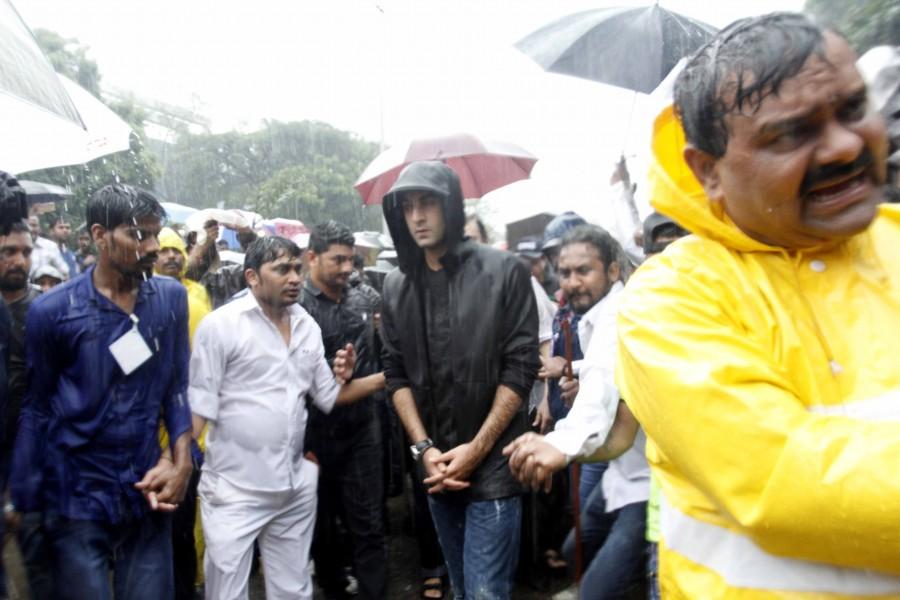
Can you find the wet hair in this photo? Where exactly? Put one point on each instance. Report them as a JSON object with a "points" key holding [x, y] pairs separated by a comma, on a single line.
{"points": [[607, 247], [268, 249], [481, 228], [113, 205], [245, 238], [60, 218], [330, 232], [746, 62]]}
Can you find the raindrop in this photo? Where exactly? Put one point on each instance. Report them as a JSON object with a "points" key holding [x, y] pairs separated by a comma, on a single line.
{"points": [[155, 340]]}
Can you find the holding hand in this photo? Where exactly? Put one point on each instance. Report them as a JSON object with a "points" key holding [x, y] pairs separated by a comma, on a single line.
{"points": [[552, 367], [164, 485], [533, 461], [438, 479], [568, 390]]}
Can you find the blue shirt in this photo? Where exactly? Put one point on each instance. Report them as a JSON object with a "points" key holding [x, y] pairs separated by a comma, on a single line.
{"points": [[88, 432], [558, 408]]}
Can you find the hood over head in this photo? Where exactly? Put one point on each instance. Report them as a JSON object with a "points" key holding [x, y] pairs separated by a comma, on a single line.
{"points": [[439, 179], [676, 192], [168, 238]]}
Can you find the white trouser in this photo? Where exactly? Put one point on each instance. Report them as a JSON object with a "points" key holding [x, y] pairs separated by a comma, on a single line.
{"points": [[282, 521]]}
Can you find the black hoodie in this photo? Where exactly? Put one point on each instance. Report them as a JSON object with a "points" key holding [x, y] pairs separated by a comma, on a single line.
{"points": [[493, 320]]}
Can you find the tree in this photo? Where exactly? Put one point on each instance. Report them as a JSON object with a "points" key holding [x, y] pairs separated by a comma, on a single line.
{"points": [[866, 23], [303, 170], [69, 58]]}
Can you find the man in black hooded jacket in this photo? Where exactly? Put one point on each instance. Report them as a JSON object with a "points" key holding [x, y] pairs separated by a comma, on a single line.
{"points": [[459, 326]]}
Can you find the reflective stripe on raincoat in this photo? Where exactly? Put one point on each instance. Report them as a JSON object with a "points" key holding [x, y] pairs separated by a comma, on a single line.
{"points": [[768, 383]]}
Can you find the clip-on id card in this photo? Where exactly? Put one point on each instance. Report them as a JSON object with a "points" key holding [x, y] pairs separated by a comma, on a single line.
{"points": [[130, 350]]}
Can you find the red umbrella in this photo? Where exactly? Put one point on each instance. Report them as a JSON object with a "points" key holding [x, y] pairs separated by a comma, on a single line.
{"points": [[482, 166]]}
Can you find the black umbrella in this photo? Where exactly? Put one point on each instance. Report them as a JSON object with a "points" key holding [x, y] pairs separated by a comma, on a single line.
{"points": [[632, 48], [38, 192]]}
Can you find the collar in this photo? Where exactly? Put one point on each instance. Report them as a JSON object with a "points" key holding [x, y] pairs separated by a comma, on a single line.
{"points": [[248, 302], [86, 280], [591, 316]]}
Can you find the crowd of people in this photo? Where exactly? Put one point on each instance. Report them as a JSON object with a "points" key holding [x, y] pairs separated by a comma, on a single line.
{"points": [[716, 418]]}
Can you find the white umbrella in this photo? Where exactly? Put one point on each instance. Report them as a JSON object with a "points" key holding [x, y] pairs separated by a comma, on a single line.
{"points": [[46, 119]]}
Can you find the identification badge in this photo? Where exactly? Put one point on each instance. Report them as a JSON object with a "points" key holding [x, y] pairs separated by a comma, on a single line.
{"points": [[130, 350]]}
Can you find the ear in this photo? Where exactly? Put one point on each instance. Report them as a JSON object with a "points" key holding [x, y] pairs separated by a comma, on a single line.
{"points": [[97, 233], [706, 169], [251, 276], [613, 272]]}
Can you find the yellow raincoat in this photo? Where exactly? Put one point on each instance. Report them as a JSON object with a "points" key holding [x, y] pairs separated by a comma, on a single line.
{"points": [[198, 307], [768, 383]]}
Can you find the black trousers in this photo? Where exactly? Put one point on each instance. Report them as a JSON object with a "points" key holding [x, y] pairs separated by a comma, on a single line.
{"points": [[351, 489]]}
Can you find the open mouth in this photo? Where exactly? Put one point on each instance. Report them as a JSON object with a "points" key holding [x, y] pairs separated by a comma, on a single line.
{"points": [[836, 195]]}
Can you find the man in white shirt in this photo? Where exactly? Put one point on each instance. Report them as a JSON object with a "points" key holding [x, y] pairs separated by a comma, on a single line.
{"points": [[254, 362], [46, 251], [614, 515]]}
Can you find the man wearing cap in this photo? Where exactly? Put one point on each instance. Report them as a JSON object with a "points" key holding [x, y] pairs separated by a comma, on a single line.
{"points": [[760, 353], [459, 324]]}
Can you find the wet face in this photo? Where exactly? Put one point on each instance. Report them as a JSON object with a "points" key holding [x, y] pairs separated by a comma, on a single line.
{"points": [[15, 261], [131, 249], [170, 261], [332, 268], [424, 213], [277, 283], [806, 169], [583, 277], [61, 231]]}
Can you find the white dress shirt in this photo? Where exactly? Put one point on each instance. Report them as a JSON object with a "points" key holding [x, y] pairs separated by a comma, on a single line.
{"points": [[585, 428], [46, 252], [251, 387]]}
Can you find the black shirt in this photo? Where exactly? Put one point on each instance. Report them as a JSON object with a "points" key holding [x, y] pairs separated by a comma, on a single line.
{"points": [[437, 327], [340, 325], [16, 373]]}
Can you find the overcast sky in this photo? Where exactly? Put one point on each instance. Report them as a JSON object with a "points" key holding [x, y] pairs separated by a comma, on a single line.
{"points": [[387, 70]]}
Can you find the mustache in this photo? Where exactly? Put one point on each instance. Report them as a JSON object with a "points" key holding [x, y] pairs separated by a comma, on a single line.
{"points": [[819, 175], [15, 271]]}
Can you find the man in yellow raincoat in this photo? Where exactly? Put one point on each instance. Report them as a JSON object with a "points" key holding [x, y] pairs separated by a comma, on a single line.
{"points": [[761, 353], [187, 537]]}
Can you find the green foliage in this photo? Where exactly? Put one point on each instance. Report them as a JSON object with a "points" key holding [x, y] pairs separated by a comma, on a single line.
{"points": [[866, 23], [70, 58], [299, 170]]}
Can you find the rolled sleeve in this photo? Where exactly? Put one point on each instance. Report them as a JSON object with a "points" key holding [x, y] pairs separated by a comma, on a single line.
{"points": [[520, 362], [394, 370], [207, 368]]}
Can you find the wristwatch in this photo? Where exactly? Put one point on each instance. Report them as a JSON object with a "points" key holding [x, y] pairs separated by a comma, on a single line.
{"points": [[419, 448]]}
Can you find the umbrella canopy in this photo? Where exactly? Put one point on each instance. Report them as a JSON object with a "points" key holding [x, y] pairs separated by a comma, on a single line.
{"points": [[38, 192], [48, 120], [482, 166], [632, 48]]}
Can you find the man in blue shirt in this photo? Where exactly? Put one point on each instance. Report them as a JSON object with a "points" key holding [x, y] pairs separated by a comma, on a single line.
{"points": [[107, 360]]}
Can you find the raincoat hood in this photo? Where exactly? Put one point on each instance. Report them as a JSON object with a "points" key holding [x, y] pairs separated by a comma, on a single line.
{"points": [[676, 192], [439, 179], [169, 239]]}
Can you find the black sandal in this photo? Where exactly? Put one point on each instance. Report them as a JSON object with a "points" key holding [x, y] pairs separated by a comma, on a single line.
{"points": [[436, 585]]}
